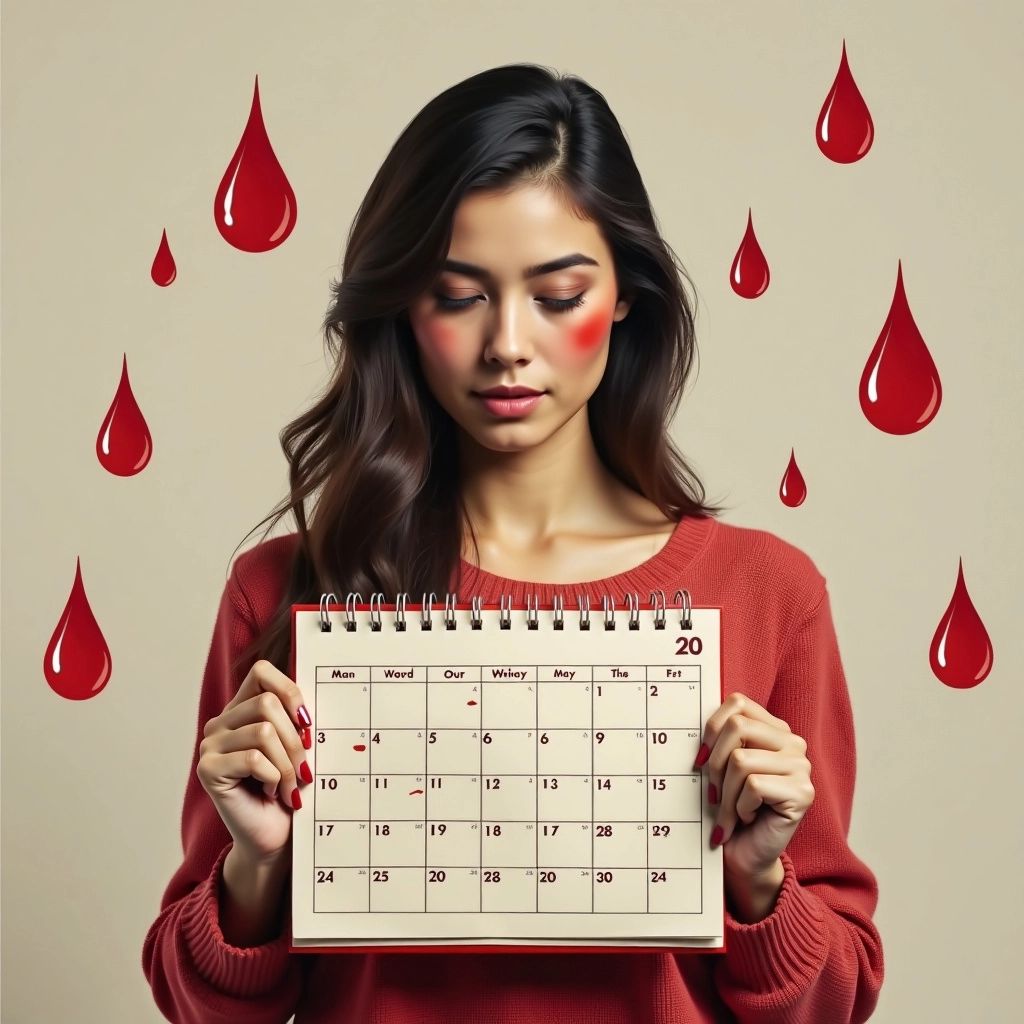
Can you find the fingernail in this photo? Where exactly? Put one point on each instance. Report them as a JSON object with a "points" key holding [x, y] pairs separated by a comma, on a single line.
{"points": [[307, 738], [702, 755], [303, 716], [304, 773], [716, 836], [712, 793], [296, 799]]}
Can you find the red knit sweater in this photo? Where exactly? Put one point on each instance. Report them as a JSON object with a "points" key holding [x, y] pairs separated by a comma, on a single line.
{"points": [[815, 959]]}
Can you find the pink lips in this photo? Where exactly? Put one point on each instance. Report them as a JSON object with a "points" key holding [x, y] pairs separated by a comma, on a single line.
{"points": [[506, 407]]}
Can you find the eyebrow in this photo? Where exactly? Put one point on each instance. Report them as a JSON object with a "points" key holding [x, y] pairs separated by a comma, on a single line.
{"points": [[571, 260]]}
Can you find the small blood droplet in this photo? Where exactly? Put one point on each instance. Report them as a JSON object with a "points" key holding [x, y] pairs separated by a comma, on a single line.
{"points": [[164, 270], [749, 275], [124, 445], [77, 662], [900, 391], [961, 653], [792, 490]]}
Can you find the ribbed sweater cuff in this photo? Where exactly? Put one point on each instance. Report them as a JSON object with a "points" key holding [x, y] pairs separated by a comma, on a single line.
{"points": [[231, 969], [786, 949]]}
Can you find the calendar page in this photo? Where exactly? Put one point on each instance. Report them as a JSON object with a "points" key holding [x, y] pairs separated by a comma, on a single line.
{"points": [[516, 786]]}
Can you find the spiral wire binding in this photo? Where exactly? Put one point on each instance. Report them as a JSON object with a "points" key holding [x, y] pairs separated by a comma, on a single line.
{"points": [[681, 597]]}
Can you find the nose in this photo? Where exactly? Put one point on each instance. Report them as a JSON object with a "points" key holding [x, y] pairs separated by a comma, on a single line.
{"points": [[508, 335]]}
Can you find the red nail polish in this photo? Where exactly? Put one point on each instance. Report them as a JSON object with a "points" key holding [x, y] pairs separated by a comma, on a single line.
{"points": [[304, 773], [716, 835], [702, 755], [296, 799], [302, 715], [307, 738], [712, 793]]}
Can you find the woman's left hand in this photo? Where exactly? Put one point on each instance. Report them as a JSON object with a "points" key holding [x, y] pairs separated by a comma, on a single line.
{"points": [[763, 780]]}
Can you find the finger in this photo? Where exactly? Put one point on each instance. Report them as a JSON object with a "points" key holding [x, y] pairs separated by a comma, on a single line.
{"points": [[735, 703], [215, 768], [737, 733], [741, 797], [265, 676], [267, 706], [262, 735]]}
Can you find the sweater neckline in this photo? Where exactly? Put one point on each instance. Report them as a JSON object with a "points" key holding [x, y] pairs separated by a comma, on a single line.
{"points": [[686, 540]]}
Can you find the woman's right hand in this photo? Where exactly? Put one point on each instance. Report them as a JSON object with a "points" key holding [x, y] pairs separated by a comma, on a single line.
{"points": [[256, 737]]}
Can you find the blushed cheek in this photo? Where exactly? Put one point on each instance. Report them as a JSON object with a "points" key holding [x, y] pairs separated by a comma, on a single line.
{"points": [[588, 335], [440, 336]]}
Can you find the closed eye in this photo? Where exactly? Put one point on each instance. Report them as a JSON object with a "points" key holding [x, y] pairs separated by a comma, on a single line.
{"points": [[556, 305]]}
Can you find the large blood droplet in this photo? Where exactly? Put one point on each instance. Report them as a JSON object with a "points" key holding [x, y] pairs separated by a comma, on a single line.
{"points": [[255, 206]]}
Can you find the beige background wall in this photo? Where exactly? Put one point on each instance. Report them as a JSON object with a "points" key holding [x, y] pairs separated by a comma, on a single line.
{"points": [[119, 119]]}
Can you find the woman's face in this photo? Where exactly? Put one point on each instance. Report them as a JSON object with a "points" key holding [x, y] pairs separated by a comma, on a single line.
{"points": [[484, 322]]}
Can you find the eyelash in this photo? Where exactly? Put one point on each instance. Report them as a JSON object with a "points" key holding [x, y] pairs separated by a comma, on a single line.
{"points": [[557, 305]]}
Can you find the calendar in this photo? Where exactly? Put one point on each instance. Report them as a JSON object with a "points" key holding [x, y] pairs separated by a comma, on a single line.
{"points": [[505, 777]]}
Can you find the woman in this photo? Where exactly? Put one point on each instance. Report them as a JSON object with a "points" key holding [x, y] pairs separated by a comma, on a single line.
{"points": [[508, 242]]}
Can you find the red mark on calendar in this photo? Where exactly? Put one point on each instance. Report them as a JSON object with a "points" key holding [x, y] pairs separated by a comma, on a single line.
{"points": [[470, 703], [359, 747], [77, 661], [749, 275], [164, 269], [792, 490], [961, 651], [415, 792], [124, 445], [900, 390], [844, 131], [255, 207]]}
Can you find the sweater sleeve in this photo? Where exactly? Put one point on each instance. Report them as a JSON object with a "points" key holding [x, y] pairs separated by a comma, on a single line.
{"points": [[195, 975], [817, 955]]}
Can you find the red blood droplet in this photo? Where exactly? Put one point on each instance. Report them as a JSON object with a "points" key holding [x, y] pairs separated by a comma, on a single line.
{"points": [[844, 130], [470, 703], [124, 445], [961, 652], [360, 747], [900, 390], [749, 275], [164, 269], [255, 206], [414, 792], [77, 661], [792, 490]]}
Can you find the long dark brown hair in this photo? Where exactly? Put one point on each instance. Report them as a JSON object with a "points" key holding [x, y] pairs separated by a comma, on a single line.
{"points": [[377, 445]]}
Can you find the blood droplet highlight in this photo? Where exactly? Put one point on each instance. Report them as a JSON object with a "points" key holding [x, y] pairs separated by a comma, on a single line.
{"points": [[900, 391], [360, 747], [77, 661], [164, 270], [961, 653], [470, 703], [255, 207], [793, 489], [749, 275], [844, 131], [124, 445]]}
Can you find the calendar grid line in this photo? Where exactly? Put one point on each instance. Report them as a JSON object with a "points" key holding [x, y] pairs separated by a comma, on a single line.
{"points": [[369, 775], [426, 796], [647, 784]]}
